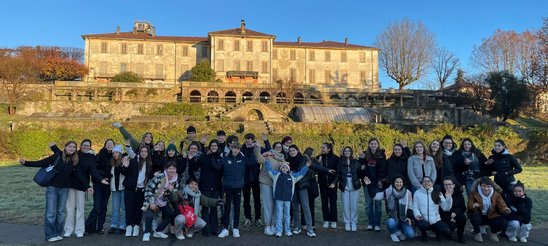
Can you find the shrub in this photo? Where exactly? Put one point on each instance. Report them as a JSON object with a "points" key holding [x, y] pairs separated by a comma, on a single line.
{"points": [[127, 77]]}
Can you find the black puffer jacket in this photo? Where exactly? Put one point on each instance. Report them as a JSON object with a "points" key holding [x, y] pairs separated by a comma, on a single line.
{"points": [[103, 161], [505, 165], [210, 175], [458, 207], [295, 164], [521, 209], [343, 169], [64, 170], [396, 166], [328, 161]]}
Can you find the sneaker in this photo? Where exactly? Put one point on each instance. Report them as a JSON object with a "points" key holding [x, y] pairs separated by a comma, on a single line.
{"points": [[55, 239], [268, 231], [136, 231], [482, 230], [146, 237], [401, 236], [354, 227], [279, 234], [347, 227], [112, 230], [369, 228], [79, 235], [513, 239], [377, 228], [478, 237], [523, 239], [180, 236], [223, 233], [67, 234], [129, 230], [297, 231], [235, 233], [247, 223], [493, 237], [311, 233], [259, 223], [160, 234], [288, 234], [325, 224], [189, 235], [394, 237], [333, 225]]}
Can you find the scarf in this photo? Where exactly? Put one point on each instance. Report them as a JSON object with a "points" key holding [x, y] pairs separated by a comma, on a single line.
{"points": [[277, 155], [188, 194], [447, 152], [474, 167], [486, 200], [160, 201], [397, 203]]}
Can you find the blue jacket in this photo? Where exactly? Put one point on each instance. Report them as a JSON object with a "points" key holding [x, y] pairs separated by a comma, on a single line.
{"points": [[233, 168], [284, 184]]}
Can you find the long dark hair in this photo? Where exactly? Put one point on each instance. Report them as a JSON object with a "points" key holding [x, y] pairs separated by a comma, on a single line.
{"points": [[473, 149], [369, 155], [403, 154], [351, 152], [330, 147], [438, 157], [147, 160], [214, 141]]}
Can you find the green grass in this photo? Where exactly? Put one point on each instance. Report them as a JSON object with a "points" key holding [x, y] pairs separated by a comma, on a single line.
{"points": [[528, 121]]}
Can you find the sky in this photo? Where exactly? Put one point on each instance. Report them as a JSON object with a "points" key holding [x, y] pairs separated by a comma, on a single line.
{"points": [[456, 25]]}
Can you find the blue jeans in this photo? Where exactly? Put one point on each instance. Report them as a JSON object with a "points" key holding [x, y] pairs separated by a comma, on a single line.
{"points": [[394, 226], [372, 209], [54, 218], [468, 186], [118, 210], [282, 212]]}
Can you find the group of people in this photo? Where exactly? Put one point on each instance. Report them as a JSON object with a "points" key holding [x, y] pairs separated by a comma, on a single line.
{"points": [[181, 189]]}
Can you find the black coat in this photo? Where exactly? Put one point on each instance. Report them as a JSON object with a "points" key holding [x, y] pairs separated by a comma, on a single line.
{"points": [[444, 170], [521, 209], [458, 169], [158, 161], [328, 161], [64, 170], [210, 176], [132, 174], [295, 164], [233, 168], [397, 166], [103, 164], [458, 207], [81, 173], [506, 166], [252, 172], [343, 169]]}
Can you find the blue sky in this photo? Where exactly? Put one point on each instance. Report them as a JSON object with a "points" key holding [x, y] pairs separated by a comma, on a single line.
{"points": [[457, 25]]}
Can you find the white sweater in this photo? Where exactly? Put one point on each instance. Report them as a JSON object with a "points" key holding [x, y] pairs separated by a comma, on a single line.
{"points": [[424, 206]]}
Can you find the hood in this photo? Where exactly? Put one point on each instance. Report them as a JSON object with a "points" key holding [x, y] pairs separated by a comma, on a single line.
{"points": [[495, 186]]}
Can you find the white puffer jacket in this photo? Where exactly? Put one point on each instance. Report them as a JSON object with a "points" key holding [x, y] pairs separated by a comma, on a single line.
{"points": [[424, 206]]}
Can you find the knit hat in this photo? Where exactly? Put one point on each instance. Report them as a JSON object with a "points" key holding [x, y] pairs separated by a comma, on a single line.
{"points": [[171, 147], [118, 148], [286, 138], [191, 129], [284, 164]]}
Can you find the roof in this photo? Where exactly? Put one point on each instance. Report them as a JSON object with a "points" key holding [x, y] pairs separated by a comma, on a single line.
{"points": [[319, 114], [323, 44], [145, 36], [237, 32]]}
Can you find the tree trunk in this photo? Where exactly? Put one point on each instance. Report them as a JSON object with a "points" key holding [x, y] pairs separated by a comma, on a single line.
{"points": [[11, 108]]}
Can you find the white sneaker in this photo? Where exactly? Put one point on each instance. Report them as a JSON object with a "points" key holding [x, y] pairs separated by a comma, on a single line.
{"points": [[311, 233], [493, 237], [136, 231], [129, 230], [394, 237], [333, 225], [79, 235], [146, 237], [513, 239], [325, 224], [377, 228], [401, 236], [55, 239], [482, 230], [67, 234], [523, 239], [354, 227], [235, 233], [369, 228], [189, 235], [268, 231], [347, 227], [297, 231], [288, 234], [180, 236], [223, 233], [247, 223], [279, 234], [160, 234]]}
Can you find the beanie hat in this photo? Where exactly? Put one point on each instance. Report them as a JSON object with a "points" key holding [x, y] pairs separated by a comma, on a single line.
{"points": [[284, 164], [118, 148], [286, 138], [171, 147], [191, 129]]}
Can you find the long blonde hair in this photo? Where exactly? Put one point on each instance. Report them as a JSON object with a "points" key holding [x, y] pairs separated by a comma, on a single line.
{"points": [[73, 157]]}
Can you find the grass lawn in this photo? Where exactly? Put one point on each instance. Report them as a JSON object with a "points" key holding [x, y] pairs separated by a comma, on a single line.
{"points": [[22, 201]]}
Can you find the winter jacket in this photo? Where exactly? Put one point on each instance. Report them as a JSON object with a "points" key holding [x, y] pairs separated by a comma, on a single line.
{"points": [[131, 174], [63, 169], [81, 173], [193, 166], [103, 165], [424, 206], [498, 206], [416, 171], [343, 170], [396, 166], [134, 143], [375, 168], [521, 209], [158, 161], [284, 183], [254, 156], [329, 161], [458, 207], [505, 165], [117, 179], [155, 188], [395, 212], [443, 170], [195, 202], [264, 177], [210, 176], [233, 168], [295, 164]]}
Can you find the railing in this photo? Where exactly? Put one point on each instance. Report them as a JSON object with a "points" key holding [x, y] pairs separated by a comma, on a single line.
{"points": [[92, 84]]}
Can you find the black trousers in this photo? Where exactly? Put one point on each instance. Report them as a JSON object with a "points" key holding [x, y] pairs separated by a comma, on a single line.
{"points": [[252, 186], [440, 228], [168, 215], [96, 217], [328, 198], [496, 224], [209, 214], [233, 198], [133, 200], [460, 222]]}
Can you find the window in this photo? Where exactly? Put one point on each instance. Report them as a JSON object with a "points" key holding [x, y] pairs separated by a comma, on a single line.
{"points": [[204, 51], [220, 45], [123, 67], [312, 76], [123, 48], [362, 57], [293, 75], [265, 46], [327, 76], [185, 50], [139, 69], [362, 76], [343, 56], [275, 54], [236, 45], [236, 66], [220, 66], [104, 47], [293, 55], [312, 55], [249, 65], [159, 50], [264, 67], [274, 74], [327, 56], [159, 71], [140, 49], [250, 45]]}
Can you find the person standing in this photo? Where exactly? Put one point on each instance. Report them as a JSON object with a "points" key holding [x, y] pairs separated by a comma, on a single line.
{"points": [[420, 165], [349, 183], [300, 200], [328, 195], [503, 166], [118, 218], [275, 157], [252, 151], [373, 168], [211, 186]]}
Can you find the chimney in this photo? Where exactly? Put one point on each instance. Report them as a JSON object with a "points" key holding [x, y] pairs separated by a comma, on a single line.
{"points": [[346, 41], [117, 30], [153, 32], [134, 30], [299, 40], [242, 27]]}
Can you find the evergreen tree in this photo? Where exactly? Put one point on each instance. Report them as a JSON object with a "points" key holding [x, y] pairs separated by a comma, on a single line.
{"points": [[202, 72], [508, 93]]}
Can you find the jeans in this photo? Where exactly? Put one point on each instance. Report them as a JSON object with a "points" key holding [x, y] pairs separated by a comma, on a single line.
{"points": [[468, 186], [209, 214], [233, 198], [496, 224], [133, 200], [118, 219], [256, 200], [394, 226], [96, 217], [167, 217], [328, 198], [180, 221], [300, 200], [76, 201], [267, 197], [349, 200], [372, 208], [54, 217], [282, 213], [516, 229]]}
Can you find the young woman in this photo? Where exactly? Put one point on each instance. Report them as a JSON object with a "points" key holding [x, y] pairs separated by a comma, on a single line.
{"points": [[503, 166], [396, 165], [426, 209], [455, 218], [173, 155], [211, 186], [373, 168], [147, 139], [399, 207], [349, 183], [454, 157], [159, 157], [519, 224], [420, 165], [160, 193], [57, 192], [486, 206], [191, 159], [300, 200], [473, 163], [442, 163], [118, 218], [328, 195], [137, 172], [275, 157]]}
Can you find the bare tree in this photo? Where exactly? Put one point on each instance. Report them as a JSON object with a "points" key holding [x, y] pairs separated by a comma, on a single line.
{"points": [[288, 88], [406, 50], [497, 53], [443, 64], [15, 73]]}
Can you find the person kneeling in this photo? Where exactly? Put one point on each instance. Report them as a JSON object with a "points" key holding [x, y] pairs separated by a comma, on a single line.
{"points": [[188, 203], [519, 224], [399, 202], [160, 192], [426, 208]]}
